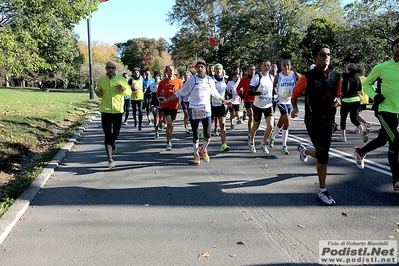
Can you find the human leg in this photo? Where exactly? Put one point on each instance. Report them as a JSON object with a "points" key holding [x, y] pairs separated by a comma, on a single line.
{"points": [[389, 122], [140, 113]]}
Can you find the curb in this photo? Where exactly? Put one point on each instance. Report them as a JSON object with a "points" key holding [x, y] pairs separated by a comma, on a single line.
{"points": [[18, 208]]}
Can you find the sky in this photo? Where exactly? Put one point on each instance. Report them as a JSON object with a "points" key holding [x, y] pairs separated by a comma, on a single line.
{"points": [[121, 20]]}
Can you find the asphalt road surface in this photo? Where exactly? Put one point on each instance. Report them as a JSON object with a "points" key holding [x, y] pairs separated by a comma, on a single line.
{"points": [[158, 208]]}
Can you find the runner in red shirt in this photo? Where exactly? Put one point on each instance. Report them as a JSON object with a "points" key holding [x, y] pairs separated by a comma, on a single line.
{"points": [[166, 88], [242, 89]]}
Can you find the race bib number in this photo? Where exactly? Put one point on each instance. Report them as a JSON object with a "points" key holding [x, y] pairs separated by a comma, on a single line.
{"points": [[198, 113]]}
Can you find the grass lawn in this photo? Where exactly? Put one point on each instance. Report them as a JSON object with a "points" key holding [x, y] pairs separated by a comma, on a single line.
{"points": [[34, 125]]}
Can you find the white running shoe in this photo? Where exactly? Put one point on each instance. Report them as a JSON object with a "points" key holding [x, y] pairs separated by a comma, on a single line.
{"points": [[169, 146], [396, 186], [111, 164], [251, 146], [302, 153], [359, 159], [341, 139], [326, 198], [263, 146]]}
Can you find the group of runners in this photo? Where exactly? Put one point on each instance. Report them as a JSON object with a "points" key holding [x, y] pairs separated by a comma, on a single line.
{"points": [[208, 96]]}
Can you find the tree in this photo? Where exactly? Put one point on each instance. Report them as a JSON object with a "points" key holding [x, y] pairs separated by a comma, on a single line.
{"points": [[246, 31], [198, 20], [32, 30], [372, 27], [134, 51], [102, 52]]}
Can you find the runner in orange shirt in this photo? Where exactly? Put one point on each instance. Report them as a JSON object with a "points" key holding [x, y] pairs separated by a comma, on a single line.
{"points": [[166, 88]]}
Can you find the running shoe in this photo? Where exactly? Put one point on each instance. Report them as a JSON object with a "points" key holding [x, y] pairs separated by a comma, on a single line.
{"points": [[216, 133], [263, 147], [334, 127], [284, 150], [156, 135], [271, 143], [169, 146], [150, 123], [302, 153], [187, 131], [367, 125], [341, 139], [197, 159], [139, 128], [232, 127], [135, 124], [111, 164], [114, 150], [396, 185], [238, 121], [251, 146], [160, 125], [357, 131], [125, 123], [359, 159], [224, 147], [326, 198], [365, 136], [205, 155]]}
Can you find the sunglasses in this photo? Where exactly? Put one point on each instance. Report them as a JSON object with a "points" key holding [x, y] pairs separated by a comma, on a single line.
{"points": [[110, 67], [324, 54]]}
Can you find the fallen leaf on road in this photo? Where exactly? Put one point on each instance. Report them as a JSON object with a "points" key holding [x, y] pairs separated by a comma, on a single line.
{"points": [[265, 166], [373, 217], [79, 210], [212, 221], [345, 214], [241, 243], [232, 255], [206, 254], [301, 226], [397, 230], [244, 211], [249, 220], [391, 237], [42, 229]]}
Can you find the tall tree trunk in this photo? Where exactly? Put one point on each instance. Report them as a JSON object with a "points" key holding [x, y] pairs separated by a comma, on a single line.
{"points": [[6, 80]]}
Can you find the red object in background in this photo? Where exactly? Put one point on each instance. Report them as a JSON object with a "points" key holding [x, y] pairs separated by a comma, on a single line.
{"points": [[193, 64], [212, 41], [102, 1], [146, 58]]}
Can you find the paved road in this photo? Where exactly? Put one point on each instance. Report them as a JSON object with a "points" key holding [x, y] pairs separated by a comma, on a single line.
{"points": [[158, 208]]}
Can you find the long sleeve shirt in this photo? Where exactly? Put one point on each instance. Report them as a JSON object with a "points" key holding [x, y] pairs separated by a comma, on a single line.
{"points": [[112, 100], [388, 72]]}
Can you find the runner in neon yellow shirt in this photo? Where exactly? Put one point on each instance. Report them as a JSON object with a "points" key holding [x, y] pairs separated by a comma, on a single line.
{"points": [[388, 108], [112, 90]]}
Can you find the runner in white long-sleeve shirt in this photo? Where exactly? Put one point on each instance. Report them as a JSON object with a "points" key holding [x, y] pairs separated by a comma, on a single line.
{"points": [[200, 87]]}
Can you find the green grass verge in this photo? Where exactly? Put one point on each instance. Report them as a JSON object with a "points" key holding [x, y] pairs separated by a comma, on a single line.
{"points": [[34, 126]]}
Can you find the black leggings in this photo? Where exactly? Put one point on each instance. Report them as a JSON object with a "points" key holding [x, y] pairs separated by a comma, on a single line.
{"points": [[320, 135], [389, 132], [111, 124], [137, 105], [353, 110], [206, 125], [126, 108]]}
